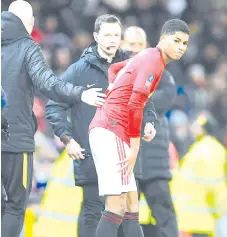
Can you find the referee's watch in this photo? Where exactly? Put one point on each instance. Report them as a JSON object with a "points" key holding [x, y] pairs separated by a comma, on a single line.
{"points": [[65, 139]]}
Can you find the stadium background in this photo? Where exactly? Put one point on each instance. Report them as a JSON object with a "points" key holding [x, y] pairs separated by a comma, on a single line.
{"points": [[64, 29]]}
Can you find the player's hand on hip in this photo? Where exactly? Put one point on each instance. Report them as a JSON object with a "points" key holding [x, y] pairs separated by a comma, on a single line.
{"points": [[149, 132], [93, 97], [127, 165], [74, 150]]}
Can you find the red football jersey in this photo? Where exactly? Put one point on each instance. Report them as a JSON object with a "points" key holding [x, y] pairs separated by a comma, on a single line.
{"points": [[132, 82]]}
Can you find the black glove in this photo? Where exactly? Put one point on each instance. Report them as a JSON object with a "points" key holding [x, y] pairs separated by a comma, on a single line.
{"points": [[4, 128]]}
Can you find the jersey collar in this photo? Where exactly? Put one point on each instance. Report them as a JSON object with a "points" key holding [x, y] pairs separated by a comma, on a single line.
{"points": [[160, 51]]}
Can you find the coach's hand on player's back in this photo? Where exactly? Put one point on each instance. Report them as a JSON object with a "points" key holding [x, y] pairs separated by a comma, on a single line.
{"points": [[149, 132], [93, 97], [74, 150]]}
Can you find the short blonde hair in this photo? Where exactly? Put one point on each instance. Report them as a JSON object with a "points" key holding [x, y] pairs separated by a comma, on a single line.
{"points": [[135, 30]]}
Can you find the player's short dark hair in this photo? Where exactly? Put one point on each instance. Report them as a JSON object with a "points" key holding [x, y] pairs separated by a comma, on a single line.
{"points": [[175, 25], [107, 18]]}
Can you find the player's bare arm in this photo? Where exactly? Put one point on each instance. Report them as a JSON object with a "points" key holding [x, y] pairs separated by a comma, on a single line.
{"points": [[135, 106]]}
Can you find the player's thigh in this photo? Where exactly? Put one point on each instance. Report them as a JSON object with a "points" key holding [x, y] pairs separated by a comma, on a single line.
{"points": [[103, 147], [106, 155], [132, 202], [116, 203]]}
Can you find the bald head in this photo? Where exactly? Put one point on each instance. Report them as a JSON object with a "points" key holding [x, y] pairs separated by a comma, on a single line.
{"points": [[24, 11], [135, 39]]}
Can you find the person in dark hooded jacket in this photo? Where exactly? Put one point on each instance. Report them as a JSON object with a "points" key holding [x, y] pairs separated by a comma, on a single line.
{"points": [[154, 182], [23, 69], [93, 70]]}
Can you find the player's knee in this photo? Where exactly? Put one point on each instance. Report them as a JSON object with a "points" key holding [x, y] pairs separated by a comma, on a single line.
{"points": [[132, 204], [116, 204], [132, 208]]}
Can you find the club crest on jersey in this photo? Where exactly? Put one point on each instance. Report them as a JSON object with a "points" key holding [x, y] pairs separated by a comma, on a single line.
{"points": [[150, 78], [149, 81]]}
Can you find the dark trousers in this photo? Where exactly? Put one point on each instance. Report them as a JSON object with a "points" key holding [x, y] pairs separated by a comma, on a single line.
{"points": [[91, 210], [158, 197], [16, 174]]}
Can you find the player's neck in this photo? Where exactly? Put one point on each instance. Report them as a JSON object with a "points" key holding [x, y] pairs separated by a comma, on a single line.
{"points": [[102, 54], [166, 58]]}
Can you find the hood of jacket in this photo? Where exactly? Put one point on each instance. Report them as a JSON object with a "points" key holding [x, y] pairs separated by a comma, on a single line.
{"points": [[12, 28]]}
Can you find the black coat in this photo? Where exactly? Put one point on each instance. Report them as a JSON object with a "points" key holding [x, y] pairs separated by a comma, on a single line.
{"points": [[90, 69], [155, 154], [23, 70]]}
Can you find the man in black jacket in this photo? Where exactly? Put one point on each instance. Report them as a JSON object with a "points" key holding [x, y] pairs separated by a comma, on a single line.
{"points": [[23, 70], [156, 164], [153, 166], [92, 68]]}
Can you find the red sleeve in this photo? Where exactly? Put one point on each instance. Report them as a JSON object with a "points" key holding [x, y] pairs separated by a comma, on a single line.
{"points": [[114, 69], [147, 77], [135, 107]]}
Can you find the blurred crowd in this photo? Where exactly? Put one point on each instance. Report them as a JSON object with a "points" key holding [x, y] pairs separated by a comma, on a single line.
{"points": [[64, 29]]}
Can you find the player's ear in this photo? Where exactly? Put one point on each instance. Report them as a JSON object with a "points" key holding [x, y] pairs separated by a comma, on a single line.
{"points": [[95, 35]]}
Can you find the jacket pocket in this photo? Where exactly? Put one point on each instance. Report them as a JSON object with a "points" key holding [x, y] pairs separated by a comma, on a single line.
{"points": [[35, 123]]}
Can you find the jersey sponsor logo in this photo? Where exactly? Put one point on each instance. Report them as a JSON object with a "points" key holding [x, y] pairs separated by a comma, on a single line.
{"points": [[148, 82]]}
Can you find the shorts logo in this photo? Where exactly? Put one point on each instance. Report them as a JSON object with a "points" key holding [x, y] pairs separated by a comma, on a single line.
{"points": [[149, 81]]}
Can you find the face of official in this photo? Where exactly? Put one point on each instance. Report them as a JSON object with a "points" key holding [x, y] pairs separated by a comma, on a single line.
{"points": [[109, 38], [175, 45], [135, 41]]}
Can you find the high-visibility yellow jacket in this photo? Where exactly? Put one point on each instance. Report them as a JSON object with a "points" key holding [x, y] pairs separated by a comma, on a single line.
{"points": [[61, 203], [199, 188]]}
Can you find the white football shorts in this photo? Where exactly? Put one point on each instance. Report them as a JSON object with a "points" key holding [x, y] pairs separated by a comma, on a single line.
{"points": [[107, 151]]}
